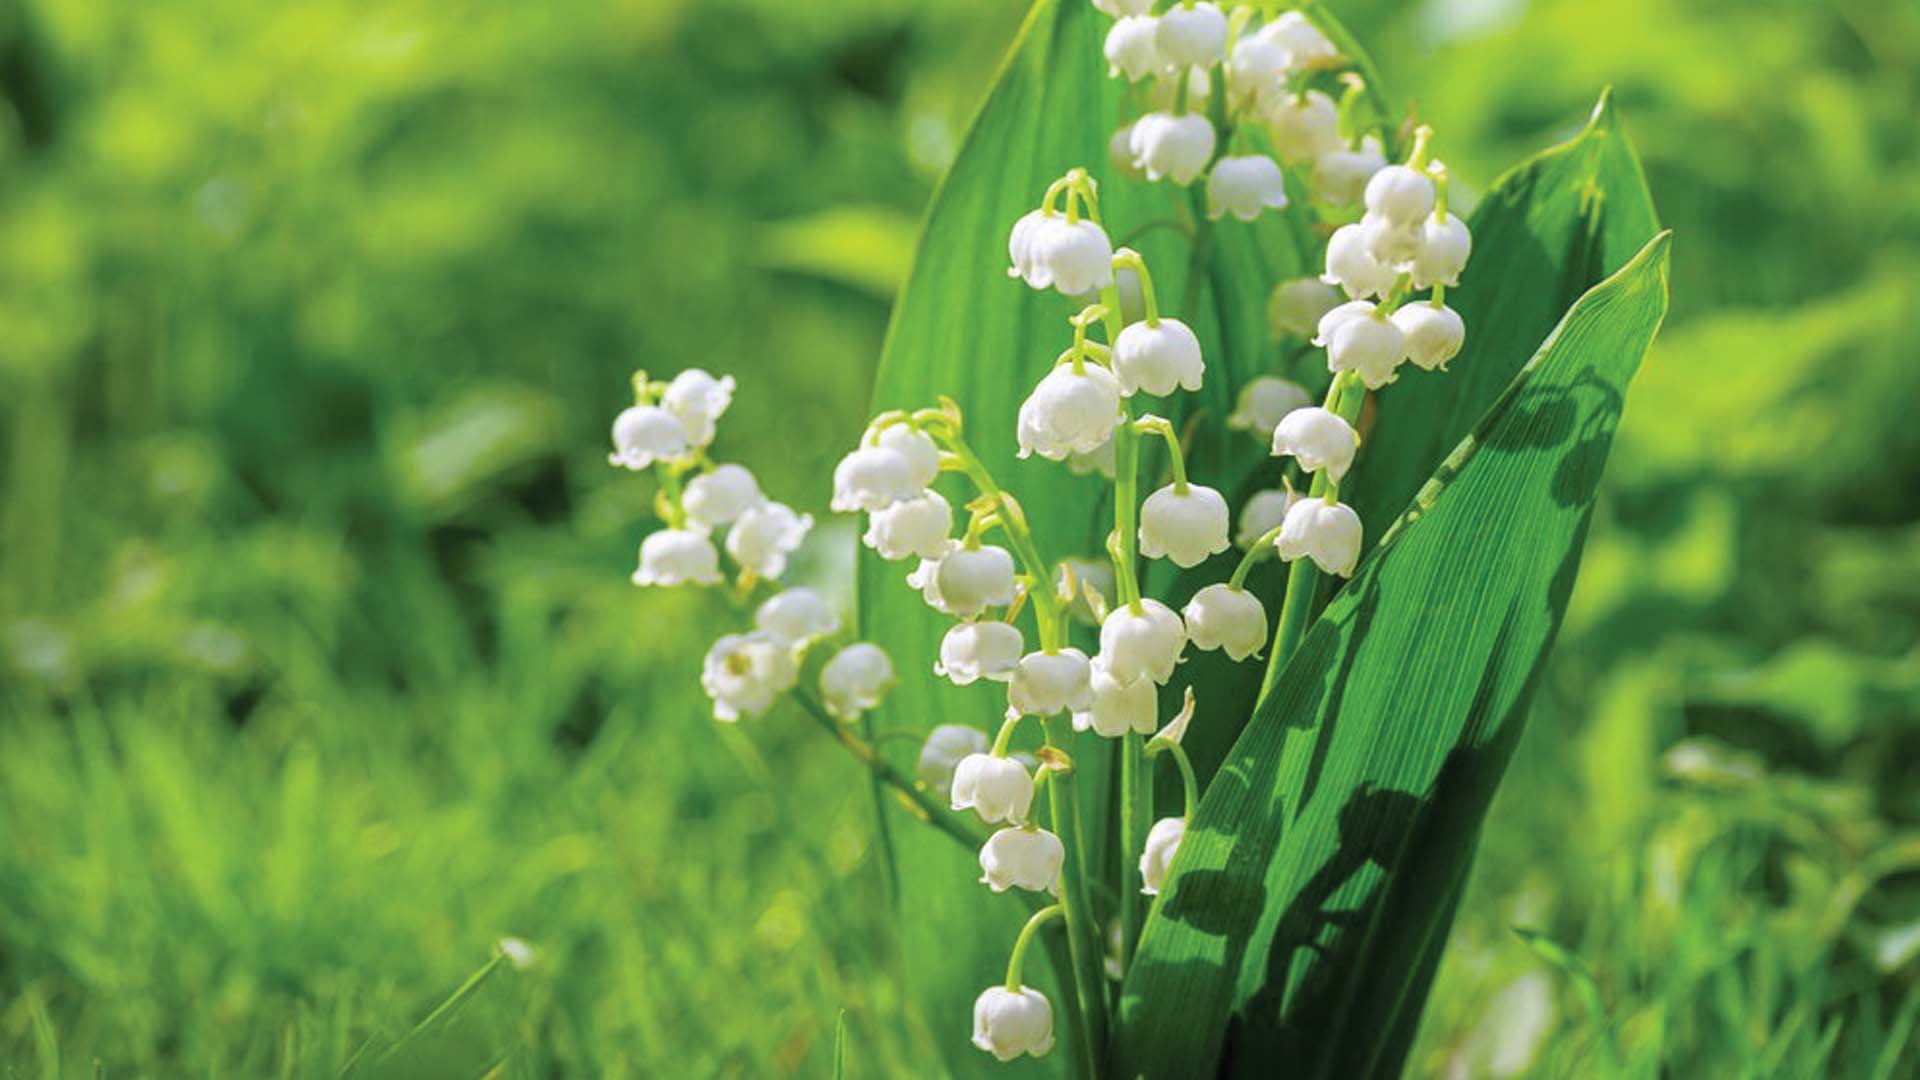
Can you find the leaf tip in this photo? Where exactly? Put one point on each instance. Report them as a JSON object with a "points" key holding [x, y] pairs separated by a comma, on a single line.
{"points": [[1605, 118]]}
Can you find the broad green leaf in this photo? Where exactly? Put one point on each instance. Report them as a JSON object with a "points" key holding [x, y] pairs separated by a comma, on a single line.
{"points": [[1312, 894], [1545, 233]]}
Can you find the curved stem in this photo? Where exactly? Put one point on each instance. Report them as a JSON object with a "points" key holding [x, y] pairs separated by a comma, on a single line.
{"points": [[1149, 301], [1189, 784], [1239, 578], [1005, 735], [1019, 955], [1161, 426], [864, 752], [1048, 613]]}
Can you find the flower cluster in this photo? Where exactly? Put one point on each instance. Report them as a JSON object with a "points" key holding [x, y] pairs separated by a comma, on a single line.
{"points": [[668, 429]]}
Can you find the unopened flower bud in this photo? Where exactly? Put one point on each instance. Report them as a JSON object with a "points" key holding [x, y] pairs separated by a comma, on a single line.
{"points": [[644, 434], [1318, 439], [1174, 146], [1263, 401], [996, 788], [1434, 334], [1183, 526], [916, 526], [796, 615], [1162, 841], [718, 497], [942, 751], [1328, 533], [744, 673], [1144, 644], [1047, 683], [1069, 412], [763, 537], [1221, 616], [1157, 358], [1008, 1023], [1024, 858], [677, 557], [972, 651]]}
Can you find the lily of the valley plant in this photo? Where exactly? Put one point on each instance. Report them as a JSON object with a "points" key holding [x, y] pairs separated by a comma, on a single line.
{"points": [[1243, 100]]}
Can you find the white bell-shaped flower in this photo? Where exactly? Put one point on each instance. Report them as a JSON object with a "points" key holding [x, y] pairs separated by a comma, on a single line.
{"points": [[1327, 533], [1263, 401], [924, 577], [856, 679], [1176, 146], [1352, 264], [1261, 514], [1069, 412], [1221, 616], [1130, 48], [796, 615], [1071, 256], [916, 526], [677, 557], [1192, 35], [1097, 460], [942, 751], [972, 651], [1434, 334], [1022, 858], [996, 788], [1020, 243], [1444, 247], [765, 535], [1094, 574], [1340, 177], [873, 478], [1295, 306], [969, 580], [644, 434], [697, 399], [1121, 8], [1307, 47], [1008, 1023], [1257, 67], [1144, 644], [718, 497], [1245, 185], [1047, 683], [922, 454], [1391, 244], [1356, 339], [1303, 126], [1118, 707], [1401, 194], [1162, 841], [1156, 357], [1318, 439], [744, 673], [1183, 526]]}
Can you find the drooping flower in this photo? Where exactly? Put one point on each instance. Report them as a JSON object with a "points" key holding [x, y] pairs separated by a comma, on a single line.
{"points": [[697, 399], [677, 557], [1047, 683], [1130, 48], [1328, 533], [1022, 857], [716, 498], [1295, 307], [942, 751], [1352, 264], [873, 478], [1157, 357], [1071, 256], [1192, 35], [1176, 146], [972, 651], [1444, 247], [1183, 526], [1257, 67], [856, 679], [1306, 46], [796, 615], [1244, 186], [969, 580], [1341, 176], [1069, 412], [763, 537], [917, 447], [1358, 339], [916, 526], [996, 788], [1261, 514], [1117, 707], [1008, 1023], [1318, 439], [1433, 335], [1401, 194], [1221, 616], [1144, 644], [1162, 841], [744, 673], [1303, 126], [644, 434], [1263, 401]]}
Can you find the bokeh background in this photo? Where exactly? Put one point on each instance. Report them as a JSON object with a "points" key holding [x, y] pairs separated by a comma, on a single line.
{"points": [[320, 674]]}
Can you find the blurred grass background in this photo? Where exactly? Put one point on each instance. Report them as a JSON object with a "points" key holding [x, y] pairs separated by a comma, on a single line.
{"points": [[319, 672]]}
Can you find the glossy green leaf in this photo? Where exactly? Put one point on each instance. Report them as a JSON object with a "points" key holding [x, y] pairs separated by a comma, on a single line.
{"points": [[1308, 903]]}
